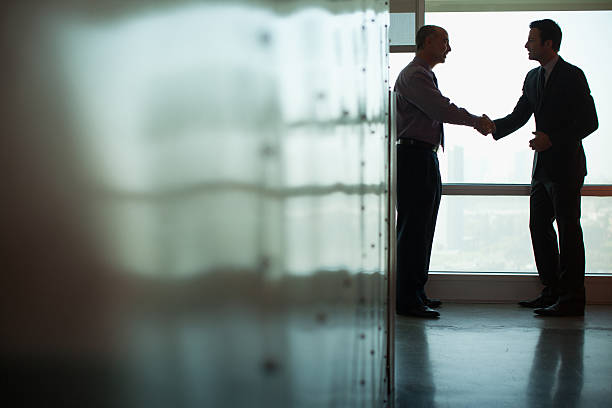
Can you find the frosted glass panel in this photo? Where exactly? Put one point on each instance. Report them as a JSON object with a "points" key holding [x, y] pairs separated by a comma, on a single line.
{"points": [[402, 29], [197, 202]]}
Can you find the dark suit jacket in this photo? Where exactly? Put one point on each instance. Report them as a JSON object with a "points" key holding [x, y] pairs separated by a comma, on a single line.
{"points": [[565, 112]]}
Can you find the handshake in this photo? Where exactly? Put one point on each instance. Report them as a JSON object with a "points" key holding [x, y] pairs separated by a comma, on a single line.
{"points": [[484, 125]]}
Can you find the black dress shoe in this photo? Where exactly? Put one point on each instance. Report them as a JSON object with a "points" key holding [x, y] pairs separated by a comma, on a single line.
{"points": [[433, 303], [539, 302], [560, 309], [419, 311]]}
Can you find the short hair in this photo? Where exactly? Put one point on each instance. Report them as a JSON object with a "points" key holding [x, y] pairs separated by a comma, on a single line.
{"points": [[423, 33], [549, 30]]}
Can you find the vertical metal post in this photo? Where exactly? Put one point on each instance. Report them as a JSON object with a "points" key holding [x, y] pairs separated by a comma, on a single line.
{"points": [[420, 15], [391, 197]]}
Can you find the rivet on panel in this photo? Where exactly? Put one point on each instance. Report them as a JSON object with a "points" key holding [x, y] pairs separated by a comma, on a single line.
{"points": [[267, 150], [264, 262], [270, 366], [264, 38]]}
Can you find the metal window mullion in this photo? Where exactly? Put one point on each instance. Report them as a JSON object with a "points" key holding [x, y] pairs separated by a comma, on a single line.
{"points": [[449, 6], [591, 190], [420, 16]]}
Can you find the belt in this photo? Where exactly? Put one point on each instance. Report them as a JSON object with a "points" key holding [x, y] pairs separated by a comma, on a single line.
{"points": [[417, 144]]}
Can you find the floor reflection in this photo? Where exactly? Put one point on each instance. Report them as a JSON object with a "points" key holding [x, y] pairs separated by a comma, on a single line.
{"points": [[500, 356], [556, 377], [415, 386]]}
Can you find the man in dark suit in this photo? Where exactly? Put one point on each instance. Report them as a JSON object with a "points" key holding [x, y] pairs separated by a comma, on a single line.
{"points": [[559, 96]]}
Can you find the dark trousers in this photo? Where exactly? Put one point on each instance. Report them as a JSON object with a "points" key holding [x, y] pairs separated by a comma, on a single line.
{"points": [[419, 189], [561, 263]]}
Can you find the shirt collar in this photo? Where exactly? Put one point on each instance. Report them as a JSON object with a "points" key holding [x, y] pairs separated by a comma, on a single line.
{"points": [[420, 61]]}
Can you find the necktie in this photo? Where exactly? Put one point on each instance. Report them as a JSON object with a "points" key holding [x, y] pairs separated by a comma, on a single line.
{"points": [[541, 82], [441, 125]]}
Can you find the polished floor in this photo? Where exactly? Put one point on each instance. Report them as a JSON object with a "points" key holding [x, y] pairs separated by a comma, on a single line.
{"points": [[491, 355]]}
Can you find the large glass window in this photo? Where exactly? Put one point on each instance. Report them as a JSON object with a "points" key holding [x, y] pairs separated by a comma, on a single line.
{"points": [[489, 234], [484, 73]]}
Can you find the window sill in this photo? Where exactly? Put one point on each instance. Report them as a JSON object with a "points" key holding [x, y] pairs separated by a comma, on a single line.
{"points": [[505, 287]]}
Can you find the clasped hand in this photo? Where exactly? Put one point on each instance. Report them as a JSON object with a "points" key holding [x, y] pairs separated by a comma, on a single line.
{"points": [[485, 125]]}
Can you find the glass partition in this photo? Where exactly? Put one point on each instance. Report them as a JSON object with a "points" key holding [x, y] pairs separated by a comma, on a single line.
{"points": [[197, 204]]}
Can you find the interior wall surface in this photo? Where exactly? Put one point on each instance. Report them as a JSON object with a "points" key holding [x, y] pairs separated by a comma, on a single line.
{"points": [[194, 203]]}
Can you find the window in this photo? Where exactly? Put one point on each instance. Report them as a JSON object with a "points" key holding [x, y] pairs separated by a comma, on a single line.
{"points": [[484, 73]]}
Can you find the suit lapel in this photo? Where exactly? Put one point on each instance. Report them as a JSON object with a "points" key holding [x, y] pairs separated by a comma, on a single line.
{"points": [[550, 82]]}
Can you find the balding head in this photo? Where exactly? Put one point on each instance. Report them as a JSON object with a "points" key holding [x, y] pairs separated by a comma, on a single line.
{"points": [[425, 32]]}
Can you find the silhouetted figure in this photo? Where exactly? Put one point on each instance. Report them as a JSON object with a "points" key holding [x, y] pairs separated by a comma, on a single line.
{"points": [[421, 111], [559, 96]]}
